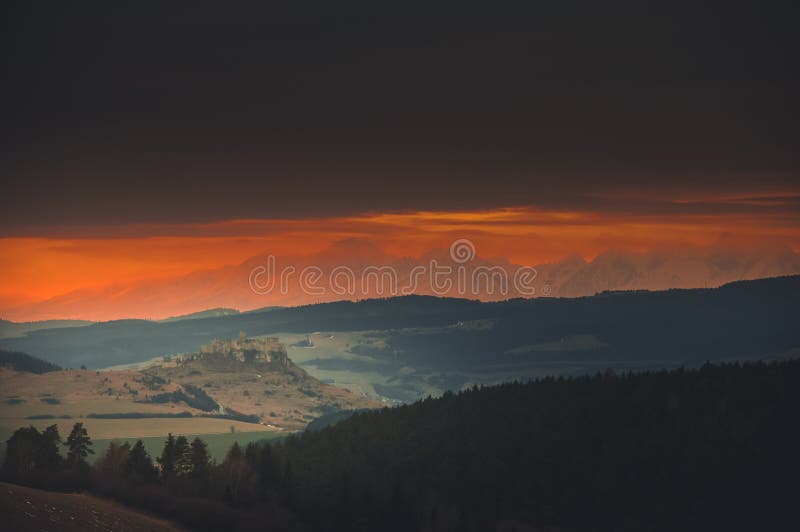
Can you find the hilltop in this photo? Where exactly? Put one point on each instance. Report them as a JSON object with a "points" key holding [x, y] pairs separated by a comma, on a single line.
{"points": [[255, 376]]}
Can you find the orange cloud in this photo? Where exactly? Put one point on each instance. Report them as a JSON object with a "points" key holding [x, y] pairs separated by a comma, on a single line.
{"points": [[37, 268]]}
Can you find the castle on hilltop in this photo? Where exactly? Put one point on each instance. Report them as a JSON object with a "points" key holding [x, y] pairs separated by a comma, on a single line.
{"points": [[266, 350]]}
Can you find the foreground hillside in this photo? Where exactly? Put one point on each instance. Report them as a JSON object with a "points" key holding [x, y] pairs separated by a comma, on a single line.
{"points": [[27, 509], [219, 390]]}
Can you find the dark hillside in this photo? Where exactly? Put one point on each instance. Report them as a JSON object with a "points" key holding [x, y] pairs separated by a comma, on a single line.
{"points": [[24, 362], [707, 449]]}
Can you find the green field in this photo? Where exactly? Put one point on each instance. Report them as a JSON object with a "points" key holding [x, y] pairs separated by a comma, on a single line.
{"points": [[218, 444]]}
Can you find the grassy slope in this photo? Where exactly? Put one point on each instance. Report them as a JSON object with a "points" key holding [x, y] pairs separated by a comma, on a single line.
{"points": [[285, 398]]}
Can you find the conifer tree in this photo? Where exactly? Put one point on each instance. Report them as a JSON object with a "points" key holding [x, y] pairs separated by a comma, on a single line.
{"points": [[78, 446], [139, 465], [199, 457], [183, 464], [168, 457]]}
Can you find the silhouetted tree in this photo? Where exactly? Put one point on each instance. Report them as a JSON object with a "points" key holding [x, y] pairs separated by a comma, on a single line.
{"points": [[199, 458], [168, 457], [269, 472], [183, 461], [287, 484], [29, 451], [235, 473], [78, 446], [139, 465], [48, 454], [113, 463], [234, 453], [21, 452]]}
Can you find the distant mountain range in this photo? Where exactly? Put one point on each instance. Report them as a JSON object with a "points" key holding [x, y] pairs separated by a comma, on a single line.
{"points": [[228, 288], [210, 313], [574, 277], [746, 319]]}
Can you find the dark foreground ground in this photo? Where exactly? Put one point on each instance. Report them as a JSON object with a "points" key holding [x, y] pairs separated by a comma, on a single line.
{"points": [[24, 509]]}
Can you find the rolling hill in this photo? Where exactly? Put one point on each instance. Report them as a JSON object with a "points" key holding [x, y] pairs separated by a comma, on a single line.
{"points": [[244, 385]]}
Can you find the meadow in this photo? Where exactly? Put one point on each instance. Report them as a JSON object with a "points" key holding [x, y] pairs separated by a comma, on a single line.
{"points": [[215, 432], [218, 444]]}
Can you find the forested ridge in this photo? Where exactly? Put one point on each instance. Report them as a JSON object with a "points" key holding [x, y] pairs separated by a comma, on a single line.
{"points": [[744, 320], [24, 362], [687, 448], [713, 448]]}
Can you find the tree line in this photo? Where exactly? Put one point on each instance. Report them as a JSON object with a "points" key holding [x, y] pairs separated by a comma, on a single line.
{"points": [[30, 452], [708, 448]]}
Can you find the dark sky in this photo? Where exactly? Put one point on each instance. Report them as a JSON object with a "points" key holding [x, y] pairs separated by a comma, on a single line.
{"points": [[121, 113]]}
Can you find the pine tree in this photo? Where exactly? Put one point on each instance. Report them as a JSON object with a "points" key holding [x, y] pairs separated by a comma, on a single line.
{"points": [[234, 453], [183, 464], [269, 470], [79, 446], [114, 461], [22, 453], [287, 484], [139, 465], [234, 470], [199, 457], [48, 456], [168, 457]]}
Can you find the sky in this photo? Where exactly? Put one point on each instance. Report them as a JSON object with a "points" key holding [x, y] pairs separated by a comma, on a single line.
{"points": [[146, 142]]}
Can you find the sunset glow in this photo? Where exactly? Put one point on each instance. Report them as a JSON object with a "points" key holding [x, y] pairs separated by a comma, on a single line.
{"points": [[41, 267]]}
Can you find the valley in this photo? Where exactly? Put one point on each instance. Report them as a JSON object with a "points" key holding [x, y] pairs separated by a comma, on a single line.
{"points": [[228, 387], [398, 350]]}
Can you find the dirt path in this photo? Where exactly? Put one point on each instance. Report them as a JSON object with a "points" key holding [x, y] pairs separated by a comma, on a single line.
{"points": [[25, 509]]}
